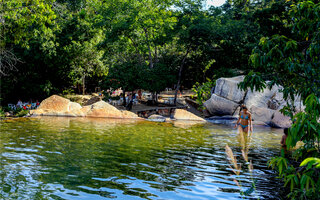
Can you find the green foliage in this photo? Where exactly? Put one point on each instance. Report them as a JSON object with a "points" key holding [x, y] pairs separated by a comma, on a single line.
{"points": [[25, 20], [203, 91], [306, 127], [280, 163], [2, 113], [72, 44], [126, 76], [310, 162], [68, 91], [292, 61], [21, 113]]}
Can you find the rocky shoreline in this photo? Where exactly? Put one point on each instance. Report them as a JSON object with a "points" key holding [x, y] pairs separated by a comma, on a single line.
{"points": [[223, 107], [265, 106], [59, 106]]}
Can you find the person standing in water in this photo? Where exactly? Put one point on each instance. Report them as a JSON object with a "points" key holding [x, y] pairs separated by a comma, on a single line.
{"points": [[245, 120], [284, 138]]}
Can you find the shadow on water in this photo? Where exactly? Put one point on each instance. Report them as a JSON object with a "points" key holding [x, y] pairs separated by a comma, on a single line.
{"points": [[81, 158]]}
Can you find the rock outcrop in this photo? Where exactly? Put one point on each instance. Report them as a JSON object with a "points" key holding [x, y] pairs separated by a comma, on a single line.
{"points": [[59, 106], [264, 99], [280, 121], [261, 114], [181, 114], [264, 106], [228, 88], [217, 105], [54, 105]]}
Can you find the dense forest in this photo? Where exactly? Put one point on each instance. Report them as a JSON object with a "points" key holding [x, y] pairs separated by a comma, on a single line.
{"points": [[68, 46]]}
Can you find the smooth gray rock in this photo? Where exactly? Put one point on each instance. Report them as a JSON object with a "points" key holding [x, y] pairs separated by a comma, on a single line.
{"points": [[228, 88], [261, 99], [262, 114], [217, 105], [280, 121]]}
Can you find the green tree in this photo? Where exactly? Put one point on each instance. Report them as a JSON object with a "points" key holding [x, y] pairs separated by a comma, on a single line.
{"points": [[138, 34], [82, 55], [20, 21], [127, 76], [293, 62]]}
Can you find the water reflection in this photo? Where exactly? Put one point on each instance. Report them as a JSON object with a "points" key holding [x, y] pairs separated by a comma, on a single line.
{"points": [[81, 158]]}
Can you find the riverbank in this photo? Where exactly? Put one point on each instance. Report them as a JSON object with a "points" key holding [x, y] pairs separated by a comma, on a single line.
{"points": [[7, 114], [59, 106]]}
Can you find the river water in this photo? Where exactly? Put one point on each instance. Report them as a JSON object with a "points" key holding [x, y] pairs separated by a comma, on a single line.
{"points": [[81, 158]]}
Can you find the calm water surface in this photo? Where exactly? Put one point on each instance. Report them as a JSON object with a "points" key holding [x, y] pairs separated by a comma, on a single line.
{"points": [[79, 158]]}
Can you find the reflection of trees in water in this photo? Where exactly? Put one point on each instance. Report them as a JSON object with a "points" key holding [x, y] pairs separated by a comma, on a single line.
{"points": [[163, 171], [96, 157]]}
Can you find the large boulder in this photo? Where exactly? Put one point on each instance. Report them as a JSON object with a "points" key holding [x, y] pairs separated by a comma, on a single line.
{"points": [[74, 106], [217, 105], [129, 115], [264, 115], [55, 104], [228, 88], [181, 114], [280, 121], [261, 99], [103, 109], [59, 106]]}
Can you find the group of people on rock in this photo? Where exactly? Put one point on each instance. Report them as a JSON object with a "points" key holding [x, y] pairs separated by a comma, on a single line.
{"points": [[26, 105]]}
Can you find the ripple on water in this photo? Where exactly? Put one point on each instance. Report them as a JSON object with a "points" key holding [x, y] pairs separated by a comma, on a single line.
{"points": [[70, 158]]}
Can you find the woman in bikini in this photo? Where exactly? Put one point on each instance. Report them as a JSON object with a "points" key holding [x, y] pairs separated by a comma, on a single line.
{"points": [[244, 121]]}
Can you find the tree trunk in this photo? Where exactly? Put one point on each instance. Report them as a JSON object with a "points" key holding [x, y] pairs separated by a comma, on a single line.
{"points": [[83, 84], [79, 88], [148, 43], [179, 77]]}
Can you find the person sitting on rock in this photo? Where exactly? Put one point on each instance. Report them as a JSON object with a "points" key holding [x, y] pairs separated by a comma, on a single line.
{"points": [[244, 121]]}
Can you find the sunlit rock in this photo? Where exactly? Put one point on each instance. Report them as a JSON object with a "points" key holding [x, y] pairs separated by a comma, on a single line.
{"points": [[59, 106], [181, 114], [55, 104]]}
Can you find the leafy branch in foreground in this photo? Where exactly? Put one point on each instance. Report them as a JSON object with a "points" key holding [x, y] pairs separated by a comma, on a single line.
{"points": [[293, 61]]}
